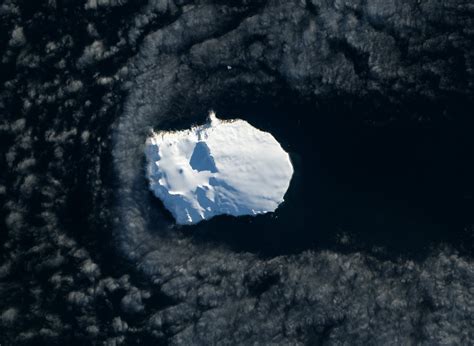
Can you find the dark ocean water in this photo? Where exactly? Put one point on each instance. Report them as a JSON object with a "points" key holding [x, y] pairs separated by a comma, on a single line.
{"points": [[368, 175], [392, 186]]}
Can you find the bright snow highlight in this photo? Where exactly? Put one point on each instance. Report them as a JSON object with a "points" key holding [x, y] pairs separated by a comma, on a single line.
{"points": [[222, 167]]}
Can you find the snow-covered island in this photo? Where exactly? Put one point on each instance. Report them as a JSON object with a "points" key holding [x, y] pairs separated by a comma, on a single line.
{"points": [[222, 167]]}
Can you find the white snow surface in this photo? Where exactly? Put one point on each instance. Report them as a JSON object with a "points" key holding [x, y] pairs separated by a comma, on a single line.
{"points": [[222, 167]]}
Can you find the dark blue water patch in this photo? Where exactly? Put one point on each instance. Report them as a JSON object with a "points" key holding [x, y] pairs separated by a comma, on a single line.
{"points": [[397, 185]]}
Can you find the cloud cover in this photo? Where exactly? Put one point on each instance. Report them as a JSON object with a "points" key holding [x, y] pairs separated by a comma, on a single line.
{"points": [[111, 269]]}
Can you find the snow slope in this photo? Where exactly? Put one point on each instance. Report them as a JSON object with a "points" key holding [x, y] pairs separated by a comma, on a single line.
{"points": [[222, 167]]}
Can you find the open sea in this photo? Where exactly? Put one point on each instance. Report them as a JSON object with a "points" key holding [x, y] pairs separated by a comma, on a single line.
{"points": [[390, 187]]}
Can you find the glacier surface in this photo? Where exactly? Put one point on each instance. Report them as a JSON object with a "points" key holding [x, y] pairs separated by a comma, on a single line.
{"points": [[222, 167]]}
